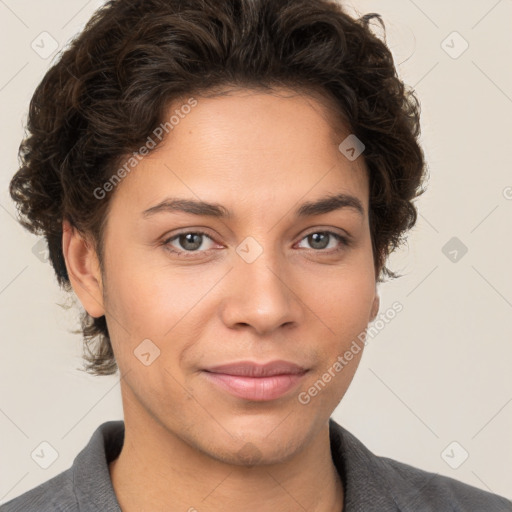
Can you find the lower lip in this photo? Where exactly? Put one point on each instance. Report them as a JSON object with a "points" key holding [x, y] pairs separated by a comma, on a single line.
{"points": [[255, 388]]}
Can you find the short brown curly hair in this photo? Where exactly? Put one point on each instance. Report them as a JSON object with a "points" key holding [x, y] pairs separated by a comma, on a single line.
{"points": [[111, 87]]}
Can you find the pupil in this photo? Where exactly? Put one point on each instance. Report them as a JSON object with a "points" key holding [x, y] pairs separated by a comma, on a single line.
{"points": [[315, 237], [190, 236]]}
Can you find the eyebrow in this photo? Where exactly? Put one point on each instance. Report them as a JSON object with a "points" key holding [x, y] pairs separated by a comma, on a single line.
{"points": [[321, 206]]}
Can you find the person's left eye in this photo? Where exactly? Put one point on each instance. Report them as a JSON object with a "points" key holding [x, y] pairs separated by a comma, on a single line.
{"points": [[190, 242], [319, 237]]}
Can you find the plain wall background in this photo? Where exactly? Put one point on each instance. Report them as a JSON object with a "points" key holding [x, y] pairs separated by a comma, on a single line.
{"points": [[438, 372]]}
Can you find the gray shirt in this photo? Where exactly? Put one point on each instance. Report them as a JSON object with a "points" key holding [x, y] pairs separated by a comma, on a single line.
{"points": [[371, 483]]}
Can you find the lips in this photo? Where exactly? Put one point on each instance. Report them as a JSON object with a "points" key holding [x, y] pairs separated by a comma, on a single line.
{"points": [[254, 381], [253, 369]]}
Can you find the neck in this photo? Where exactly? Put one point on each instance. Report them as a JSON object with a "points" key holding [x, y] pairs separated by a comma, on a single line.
{"points": [[156, 470]]}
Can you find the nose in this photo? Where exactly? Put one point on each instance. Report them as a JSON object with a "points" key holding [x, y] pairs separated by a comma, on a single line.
{"points": [[261, 295]]}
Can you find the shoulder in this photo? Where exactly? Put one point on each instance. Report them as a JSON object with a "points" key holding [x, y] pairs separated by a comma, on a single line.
{"points": [[85, 486], [54, 495], [422, 490], [374, 482]]}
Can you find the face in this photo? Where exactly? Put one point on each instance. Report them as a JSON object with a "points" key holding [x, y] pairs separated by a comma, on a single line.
{"points": [[186, 291]]}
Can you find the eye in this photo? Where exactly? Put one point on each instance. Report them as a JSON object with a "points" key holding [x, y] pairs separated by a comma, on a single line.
{"points": [[188, 242], [191, 243], [319, 240]]}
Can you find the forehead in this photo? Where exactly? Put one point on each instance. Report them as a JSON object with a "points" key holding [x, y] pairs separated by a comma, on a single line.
{"points": [[248, 144]]}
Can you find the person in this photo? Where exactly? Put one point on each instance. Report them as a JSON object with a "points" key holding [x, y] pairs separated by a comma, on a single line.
{"points": [[221, 184]]}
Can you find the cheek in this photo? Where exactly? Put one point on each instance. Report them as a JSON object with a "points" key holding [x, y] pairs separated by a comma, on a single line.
{"points": [[343, 299], [155, 304], [134, 308], [143, 294]]}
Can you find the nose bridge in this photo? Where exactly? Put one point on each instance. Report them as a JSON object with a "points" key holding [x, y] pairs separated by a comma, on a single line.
{"points": [[262, 292]]}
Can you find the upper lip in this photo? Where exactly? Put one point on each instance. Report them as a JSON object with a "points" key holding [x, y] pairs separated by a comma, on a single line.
{"points": [[253, 369]]}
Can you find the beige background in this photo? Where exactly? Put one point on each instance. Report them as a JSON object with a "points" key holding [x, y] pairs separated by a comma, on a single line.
{"points": [[438, 372]]}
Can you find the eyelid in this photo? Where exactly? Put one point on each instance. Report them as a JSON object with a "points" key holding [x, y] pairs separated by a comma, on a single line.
{"points": [[344, 239], [206, 232], [169, 238], [335, 231]]}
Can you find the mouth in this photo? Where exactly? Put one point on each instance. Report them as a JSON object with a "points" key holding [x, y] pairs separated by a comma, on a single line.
{"points": [[257, 382]]}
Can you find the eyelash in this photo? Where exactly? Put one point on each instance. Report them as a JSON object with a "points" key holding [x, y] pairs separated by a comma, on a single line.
{"points": [[344, 241]]}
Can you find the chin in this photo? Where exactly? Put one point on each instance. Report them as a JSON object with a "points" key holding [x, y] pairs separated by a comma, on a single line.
{"points": [[256, 453], [258, 440]]}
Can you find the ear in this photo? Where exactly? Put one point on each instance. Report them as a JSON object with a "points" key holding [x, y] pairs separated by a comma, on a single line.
{"points": [[83, 269], [375, 307]]}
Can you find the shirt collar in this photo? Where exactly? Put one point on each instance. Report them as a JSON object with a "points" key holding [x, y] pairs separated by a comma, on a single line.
{"points": [[91, 476], [365, 476]]}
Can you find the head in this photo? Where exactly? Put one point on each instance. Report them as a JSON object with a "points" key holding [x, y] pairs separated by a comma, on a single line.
{"points": [[242, 105]]}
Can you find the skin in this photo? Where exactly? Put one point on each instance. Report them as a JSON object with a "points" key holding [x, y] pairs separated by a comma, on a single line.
{"points": [[187, 442]]}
